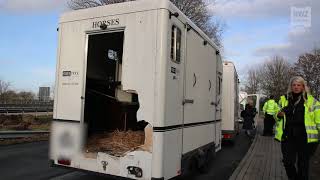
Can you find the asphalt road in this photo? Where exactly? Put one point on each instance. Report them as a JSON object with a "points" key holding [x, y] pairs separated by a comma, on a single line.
{"points": [[27, 161], [20, 134], [226, 160], [30, 162]]}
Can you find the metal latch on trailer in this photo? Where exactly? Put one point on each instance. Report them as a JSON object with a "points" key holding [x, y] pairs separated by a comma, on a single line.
{"points": [[104, 165], [187, 101]]}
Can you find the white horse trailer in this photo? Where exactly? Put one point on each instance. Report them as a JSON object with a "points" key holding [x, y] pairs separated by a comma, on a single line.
{"points": [[133, 67], [230, 102]]}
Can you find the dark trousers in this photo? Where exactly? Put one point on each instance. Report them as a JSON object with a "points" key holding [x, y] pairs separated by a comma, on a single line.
{"points": [[297, 152], [268, 124]]}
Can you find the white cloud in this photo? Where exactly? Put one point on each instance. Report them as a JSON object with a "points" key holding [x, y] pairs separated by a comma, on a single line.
{"points": [[31, 5], [276, 49], [231, 53], [256, 8], [48, 72], [299, 41], [295, 42]]}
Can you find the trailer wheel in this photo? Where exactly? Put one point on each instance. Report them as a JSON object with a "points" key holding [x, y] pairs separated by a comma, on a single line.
{"points": [[206, 160], [193, 166], [203, 160], [232, 141], [204, 168]]}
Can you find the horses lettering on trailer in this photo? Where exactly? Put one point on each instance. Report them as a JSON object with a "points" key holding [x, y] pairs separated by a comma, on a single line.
{"points": [[110, 22]]}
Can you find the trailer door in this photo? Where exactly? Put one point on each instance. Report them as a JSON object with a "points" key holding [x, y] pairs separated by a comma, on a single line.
{"points": [[198, 127], [69, 76]]}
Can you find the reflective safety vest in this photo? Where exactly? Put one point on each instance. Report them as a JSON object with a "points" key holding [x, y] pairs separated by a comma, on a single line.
{"points": [[311, 119], [270, 107]]}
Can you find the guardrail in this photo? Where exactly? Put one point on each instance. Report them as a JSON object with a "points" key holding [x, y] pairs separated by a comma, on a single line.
{"points": [[25, 109], [20, 134]]}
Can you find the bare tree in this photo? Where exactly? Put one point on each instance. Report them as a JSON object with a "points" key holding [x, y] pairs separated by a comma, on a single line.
{"points": [[12, 96], [9, 96], [252, 85], [52, 90], [274, 76], [308, 66], [83, 4], [4, 87], [196, 10], [26, 96]]}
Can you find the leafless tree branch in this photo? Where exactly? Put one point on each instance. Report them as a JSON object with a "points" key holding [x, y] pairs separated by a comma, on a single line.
{"points": [[252, 85], [274, 76], [271, 78], [4, 86], [308, 66]]}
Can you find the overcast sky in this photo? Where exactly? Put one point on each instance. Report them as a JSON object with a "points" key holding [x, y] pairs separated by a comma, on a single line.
{"points": [[255, 31], [259, 29]]}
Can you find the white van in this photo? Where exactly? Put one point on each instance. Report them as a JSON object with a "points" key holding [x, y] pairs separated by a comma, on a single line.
{"points": [[138, 89], [230, 102]]}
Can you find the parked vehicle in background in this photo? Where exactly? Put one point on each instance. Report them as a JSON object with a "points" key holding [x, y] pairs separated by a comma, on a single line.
{"points": [[230, 102], [242, 100], [138, 92], [242, 103]]}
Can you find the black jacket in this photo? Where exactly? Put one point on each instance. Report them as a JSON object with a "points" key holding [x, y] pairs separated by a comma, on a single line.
{"points": [[248, 117], [295, 128]]}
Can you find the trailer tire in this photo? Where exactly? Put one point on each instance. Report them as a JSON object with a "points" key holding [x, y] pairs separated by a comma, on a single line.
{"points": [[193, 164], [203, 160], [204, 168]]}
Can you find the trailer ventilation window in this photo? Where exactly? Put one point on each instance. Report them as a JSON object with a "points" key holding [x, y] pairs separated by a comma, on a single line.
{"points": [[175, 44]]}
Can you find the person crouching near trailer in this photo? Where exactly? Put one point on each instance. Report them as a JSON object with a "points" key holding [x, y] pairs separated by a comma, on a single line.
{"points": [[269, 109], [298, 126], [248, 115]]}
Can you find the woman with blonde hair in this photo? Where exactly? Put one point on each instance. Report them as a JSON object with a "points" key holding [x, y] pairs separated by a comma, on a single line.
{"points": [[298, 126]]}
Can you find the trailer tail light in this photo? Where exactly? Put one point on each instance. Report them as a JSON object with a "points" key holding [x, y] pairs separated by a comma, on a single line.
{"points": [[65, 162], [227, 136], [179, 172]]}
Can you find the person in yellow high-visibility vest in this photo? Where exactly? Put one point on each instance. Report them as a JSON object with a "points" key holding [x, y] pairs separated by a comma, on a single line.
{"points": [[298, 127], [270, 108]]}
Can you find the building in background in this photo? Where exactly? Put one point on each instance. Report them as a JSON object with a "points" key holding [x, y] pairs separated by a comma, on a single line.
{"points": [[44, 94]]}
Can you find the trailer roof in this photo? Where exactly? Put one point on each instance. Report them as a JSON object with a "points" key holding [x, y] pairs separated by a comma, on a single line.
{"points": [[231, 65], [131, 7]]}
